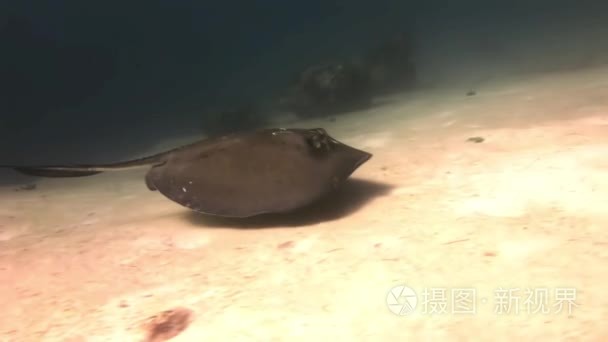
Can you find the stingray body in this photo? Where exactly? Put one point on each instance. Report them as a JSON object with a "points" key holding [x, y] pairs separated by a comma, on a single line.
{"points": [[242, 174]]}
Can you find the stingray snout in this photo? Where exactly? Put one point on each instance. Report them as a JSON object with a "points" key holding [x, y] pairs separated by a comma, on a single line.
{"points": [[351, 159]]}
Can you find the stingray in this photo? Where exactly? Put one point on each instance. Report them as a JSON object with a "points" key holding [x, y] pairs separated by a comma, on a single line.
{"points": [[242, 174]]}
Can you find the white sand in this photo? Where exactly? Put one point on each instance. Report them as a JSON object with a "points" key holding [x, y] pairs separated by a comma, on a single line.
{"points": [[91, 259]]}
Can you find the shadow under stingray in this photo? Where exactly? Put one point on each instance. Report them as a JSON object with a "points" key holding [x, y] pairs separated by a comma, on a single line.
{"points": [[351, 196]]}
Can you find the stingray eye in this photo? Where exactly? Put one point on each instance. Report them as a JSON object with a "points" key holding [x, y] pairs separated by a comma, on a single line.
{"points": [[316, 143], [319, 140]]}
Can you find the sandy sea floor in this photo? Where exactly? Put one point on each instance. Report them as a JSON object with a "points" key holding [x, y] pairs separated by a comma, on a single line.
{"points": [[517, 219]]}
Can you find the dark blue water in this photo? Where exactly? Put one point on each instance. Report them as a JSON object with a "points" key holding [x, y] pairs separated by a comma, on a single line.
{"points": [[88, 78]]}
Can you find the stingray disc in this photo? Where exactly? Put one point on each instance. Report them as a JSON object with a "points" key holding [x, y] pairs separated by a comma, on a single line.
{"points": [[247, 174]]}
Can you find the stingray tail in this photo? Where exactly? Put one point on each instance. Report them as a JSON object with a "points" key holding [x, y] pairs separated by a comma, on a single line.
{"points": [[84, 170], [56, 171]]}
